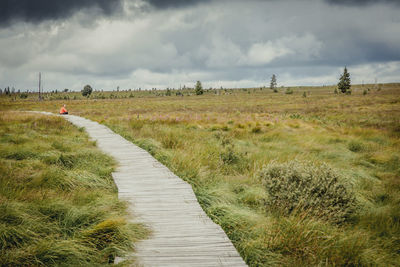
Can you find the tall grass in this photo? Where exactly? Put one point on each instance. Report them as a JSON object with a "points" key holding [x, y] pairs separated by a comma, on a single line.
{"points": [[220, 141], [58, 203]]}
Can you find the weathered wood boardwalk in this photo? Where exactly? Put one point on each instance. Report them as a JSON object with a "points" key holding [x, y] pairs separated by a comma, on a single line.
{"points": [[182, 235]]}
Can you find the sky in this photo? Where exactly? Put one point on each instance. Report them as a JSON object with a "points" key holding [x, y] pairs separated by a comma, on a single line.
{"points": [[147, 44]]}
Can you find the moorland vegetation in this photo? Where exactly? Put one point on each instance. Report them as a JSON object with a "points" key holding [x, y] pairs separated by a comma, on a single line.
{"points": [[58, 202], [310, 177]]}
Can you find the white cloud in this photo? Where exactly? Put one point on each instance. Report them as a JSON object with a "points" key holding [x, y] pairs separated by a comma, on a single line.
{"points": [[382, 72], [222, 53], [221, 43], [263, 53], [302, 47]]}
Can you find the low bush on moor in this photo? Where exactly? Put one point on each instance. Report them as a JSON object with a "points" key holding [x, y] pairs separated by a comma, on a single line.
{"points": [[297, 186]]}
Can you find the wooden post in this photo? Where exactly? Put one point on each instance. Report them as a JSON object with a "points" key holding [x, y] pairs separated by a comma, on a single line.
{"points": [[40, 98]]}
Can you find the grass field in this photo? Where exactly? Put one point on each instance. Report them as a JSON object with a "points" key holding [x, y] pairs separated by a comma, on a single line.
{"points": [[249, 152], [58, 202]]}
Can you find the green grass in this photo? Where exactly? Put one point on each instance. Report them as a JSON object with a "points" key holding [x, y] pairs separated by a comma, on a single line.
{"points": [[220, 141], [58, 202]]}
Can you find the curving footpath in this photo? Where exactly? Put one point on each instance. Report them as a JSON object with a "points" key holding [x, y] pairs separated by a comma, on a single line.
{"points": [[182, 234]]}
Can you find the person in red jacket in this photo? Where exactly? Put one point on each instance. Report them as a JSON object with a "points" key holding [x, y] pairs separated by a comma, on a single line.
{"points": [[63, 110]]}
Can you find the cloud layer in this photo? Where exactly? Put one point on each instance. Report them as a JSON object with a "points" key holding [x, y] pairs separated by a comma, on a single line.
{"points": [[41, 10], [136, 43]]}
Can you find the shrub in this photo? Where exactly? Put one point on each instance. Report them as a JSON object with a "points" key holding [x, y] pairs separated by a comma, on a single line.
{"points": [[355, 146], [225, 128], [229, 155], [87, 90], [23, 95], [298, 187], [240, 126], [256, 129], [289, 91]]}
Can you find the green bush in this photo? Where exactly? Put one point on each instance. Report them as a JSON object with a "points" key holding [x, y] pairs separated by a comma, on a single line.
{"points": [[229, 156], [256, 129], [298, 187], [289, 91], [87, 90], [23, 95], [355, 146]]}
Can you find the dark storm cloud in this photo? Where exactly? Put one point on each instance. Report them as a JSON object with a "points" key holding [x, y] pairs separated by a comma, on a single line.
{"points": [[174, 3], [40, 10], [154, 43], [361, 2]]}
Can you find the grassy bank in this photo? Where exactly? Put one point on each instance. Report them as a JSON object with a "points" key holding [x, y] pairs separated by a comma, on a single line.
{"points": [[58, 202], [231, 144]]}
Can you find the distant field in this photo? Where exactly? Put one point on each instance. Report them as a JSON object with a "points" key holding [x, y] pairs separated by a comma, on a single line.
{"points": [[58, 202], [243, 149]]}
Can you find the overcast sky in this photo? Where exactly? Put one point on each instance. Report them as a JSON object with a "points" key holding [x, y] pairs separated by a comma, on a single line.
{"points": [[229, 43]]}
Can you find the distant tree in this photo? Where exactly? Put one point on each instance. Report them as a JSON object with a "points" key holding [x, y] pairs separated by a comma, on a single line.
{"points": [[168, 92], [87, 90], [23, 95], [273, 83], [344, 81], [199, 88], [66, 90]]}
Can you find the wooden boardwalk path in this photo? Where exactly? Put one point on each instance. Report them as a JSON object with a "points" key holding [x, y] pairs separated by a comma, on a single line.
{"points": [[182, 235]]}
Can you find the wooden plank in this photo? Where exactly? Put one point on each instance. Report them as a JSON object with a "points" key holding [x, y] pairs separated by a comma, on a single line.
{"points": [[182, 234]]}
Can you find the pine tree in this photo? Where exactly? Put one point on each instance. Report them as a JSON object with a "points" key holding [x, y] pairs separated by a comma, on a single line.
{"points": [[273, 83], [199, 88], [344, 82]]}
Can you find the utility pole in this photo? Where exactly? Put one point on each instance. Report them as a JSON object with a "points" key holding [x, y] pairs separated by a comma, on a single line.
{"points": [[40, 80]]}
